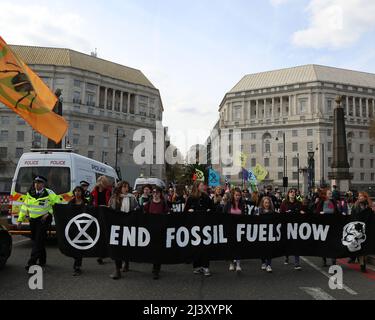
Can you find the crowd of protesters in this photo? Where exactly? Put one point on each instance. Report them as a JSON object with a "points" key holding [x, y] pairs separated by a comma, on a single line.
{"points": [[220, 200]]}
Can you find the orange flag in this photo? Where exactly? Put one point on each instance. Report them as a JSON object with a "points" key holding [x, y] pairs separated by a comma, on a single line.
{"points": [[26, 94]]}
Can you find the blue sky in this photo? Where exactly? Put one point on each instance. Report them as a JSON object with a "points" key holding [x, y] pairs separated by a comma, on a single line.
{"points": [[195, 51]]}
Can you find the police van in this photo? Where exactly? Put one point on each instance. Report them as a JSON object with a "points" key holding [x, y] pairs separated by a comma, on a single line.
{"points": [[63, 169]]}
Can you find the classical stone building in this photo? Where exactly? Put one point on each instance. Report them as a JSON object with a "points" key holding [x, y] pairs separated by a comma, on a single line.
{"points": [[300, 102], [100, 100]]}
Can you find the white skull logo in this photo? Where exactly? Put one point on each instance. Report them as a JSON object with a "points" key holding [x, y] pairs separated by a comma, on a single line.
{"points": [[354, 235]]}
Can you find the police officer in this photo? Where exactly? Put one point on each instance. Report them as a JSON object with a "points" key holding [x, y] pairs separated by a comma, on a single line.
{"points": [[38, 206], [87, 194]]}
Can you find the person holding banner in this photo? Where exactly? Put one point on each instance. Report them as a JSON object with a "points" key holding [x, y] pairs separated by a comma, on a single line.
{"points": [[101, 195], [157, 205], [236, 206], [292, 206], [124, 202], [178, 200], [146, 196], [199, 202], [266, 207], [362, 211], [218, 200], [78, 202]]}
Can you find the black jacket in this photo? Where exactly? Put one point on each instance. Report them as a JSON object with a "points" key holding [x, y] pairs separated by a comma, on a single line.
{"points": [[199, 205]]}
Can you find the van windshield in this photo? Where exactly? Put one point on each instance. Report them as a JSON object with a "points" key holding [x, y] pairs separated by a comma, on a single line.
{"points": [[58, 179]]}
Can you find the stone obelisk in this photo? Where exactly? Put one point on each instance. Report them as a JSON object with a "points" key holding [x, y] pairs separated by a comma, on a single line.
{"points": [[340, 175]]}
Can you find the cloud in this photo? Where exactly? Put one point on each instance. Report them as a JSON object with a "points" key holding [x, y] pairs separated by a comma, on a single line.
{"points": [[43, 26], [336, 24]]}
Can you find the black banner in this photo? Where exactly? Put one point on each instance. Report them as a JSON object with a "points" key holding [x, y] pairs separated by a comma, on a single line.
{"points": [[181, 238]]}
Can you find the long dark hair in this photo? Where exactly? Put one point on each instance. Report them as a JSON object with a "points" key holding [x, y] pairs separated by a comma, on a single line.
{"points": [[117, 192], [233, 202], [195, 193]]}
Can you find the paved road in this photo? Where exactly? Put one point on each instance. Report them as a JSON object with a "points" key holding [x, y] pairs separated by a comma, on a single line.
{"points": [[178, 282]]}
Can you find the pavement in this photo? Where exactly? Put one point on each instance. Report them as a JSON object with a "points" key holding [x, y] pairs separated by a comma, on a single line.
{"points": [[178, 282]]}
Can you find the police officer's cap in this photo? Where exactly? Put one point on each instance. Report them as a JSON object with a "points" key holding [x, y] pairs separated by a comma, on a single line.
{"points": [[84, 183], [40, 179]]}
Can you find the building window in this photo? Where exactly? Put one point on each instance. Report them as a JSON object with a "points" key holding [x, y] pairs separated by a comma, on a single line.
{"points": [[362, 163], [329, 133], [280, 162], [371, 148], [310, 132], [295, 147], [4, 135], [363, 175], [280, 147], [4, 120], [310, 146], [3, 153], [372, 163], [303, 106], [253, 162], [266, 162], [91, 140], [76, 124], [77, 83], [90, 99], [267, 147], [295, 133], [361, 148], [20, 136], [19, 152], [295, 175], [329, 106], [76, 139], [280, 175], [352, 163], [105, 142], [372, 176], [106, 128], [91, 126], [329, 146], [350, 147], [237, 113], [253, 148], [77, 97], [91, 87], [295, 162], [360, 134], [253, 136], [91, 154], [329, 162]]}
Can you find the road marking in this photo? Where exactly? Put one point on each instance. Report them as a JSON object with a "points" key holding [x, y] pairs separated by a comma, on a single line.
{"points": [[346, 288], [317, 293]]}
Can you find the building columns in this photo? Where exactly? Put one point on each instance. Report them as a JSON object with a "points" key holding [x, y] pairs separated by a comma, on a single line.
{"points": [[105, 98], [367, 109], [129, 97], [290, 106], [121, 101], [273, 108], [257, 109], [264, 108], [347, 106]]}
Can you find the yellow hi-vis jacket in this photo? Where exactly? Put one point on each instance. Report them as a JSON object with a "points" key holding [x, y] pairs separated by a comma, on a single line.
{"points": [[36, 208]]}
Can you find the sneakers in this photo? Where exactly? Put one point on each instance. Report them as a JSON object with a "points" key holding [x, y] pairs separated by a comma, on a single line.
{"points": [[116, 275], [206, 272], [264, 267], [286, 262], [269, 269], [298, 268], [198, 271], [238, 268], [231, 267], [100, 261]]}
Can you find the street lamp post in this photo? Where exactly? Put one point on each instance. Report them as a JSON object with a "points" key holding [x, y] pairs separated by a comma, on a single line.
{"points": [[298, 171], [323, 182], [285, 162], [311, 170]]}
